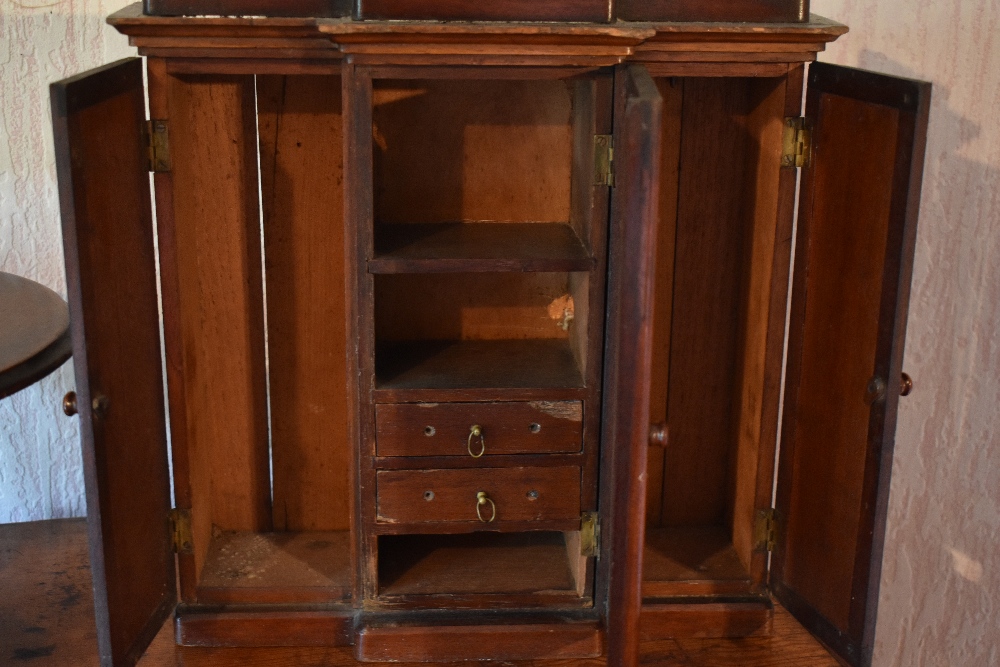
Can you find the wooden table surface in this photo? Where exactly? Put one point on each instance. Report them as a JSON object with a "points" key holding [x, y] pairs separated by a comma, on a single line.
{"points": [[34, 332], [46, 618]]}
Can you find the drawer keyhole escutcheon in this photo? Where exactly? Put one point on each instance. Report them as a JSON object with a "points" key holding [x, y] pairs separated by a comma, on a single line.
{"points": [[476, 432], [535, 428], [428, 496], [481, 500], [532, 495], [429, 431]]}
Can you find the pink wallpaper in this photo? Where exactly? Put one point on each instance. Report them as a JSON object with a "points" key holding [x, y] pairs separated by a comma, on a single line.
{"points": [[941, 587]]}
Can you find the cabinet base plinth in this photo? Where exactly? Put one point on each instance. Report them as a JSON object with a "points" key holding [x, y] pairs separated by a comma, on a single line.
{"points": [[443, 643], [671, 620], [253, 629]]}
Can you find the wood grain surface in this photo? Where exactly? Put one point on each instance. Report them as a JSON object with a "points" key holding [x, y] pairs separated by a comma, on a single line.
{"points": [[45, 614]]}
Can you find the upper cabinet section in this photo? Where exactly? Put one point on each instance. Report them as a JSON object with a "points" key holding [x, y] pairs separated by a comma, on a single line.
{"points": [[592, 11], [754, 47]]}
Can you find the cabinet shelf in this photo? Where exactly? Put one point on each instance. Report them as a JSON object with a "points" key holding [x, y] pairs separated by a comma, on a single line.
{"points": [[476, 364], [460, 247]]}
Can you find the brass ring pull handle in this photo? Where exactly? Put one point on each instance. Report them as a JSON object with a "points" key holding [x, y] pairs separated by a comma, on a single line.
{"points": [[483, 499], [477, 432], [905, 385]]}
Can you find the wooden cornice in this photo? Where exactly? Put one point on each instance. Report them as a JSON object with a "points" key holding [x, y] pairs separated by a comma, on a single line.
{"points": [[680, 48]]}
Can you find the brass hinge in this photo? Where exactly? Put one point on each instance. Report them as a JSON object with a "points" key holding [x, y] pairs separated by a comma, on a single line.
{"points": [[590, 535], [604, 160], [797, 143], [158, 145], [180, 530], [765, 530]]}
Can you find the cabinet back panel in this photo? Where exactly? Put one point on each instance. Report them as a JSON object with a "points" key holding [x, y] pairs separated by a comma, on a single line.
{"points": [[472, 150], [711, 229], [301, 149], [482, 306], [213, 145]]}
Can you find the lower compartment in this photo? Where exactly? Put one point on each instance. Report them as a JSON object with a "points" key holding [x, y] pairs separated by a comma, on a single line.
{"points": [[484, 569], [692, 561], [274, 568]]}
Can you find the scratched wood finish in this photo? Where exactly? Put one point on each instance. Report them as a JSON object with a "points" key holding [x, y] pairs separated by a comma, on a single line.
{"points": [[444, 429], [856, 238], [518, 495], [105, 203], [220, 305], [300, 129]]}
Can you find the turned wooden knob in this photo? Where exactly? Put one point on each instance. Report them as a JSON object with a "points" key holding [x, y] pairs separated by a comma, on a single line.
{"points": [[905, 385], [69, 404], [658, 435]]}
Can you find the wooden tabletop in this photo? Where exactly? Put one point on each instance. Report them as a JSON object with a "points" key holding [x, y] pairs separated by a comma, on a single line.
{"points": [[34, 333], [46, 618]]}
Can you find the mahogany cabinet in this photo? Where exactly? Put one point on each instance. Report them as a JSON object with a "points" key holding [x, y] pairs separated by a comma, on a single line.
{"points": [[413, 296]]}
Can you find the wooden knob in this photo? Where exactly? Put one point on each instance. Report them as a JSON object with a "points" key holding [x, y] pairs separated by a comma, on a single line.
{"points": [[658, 434], [69, 404], [905, 385]]}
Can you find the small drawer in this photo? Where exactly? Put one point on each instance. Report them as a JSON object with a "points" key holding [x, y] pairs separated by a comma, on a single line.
{"points": [[478, 429], [489, 496]]}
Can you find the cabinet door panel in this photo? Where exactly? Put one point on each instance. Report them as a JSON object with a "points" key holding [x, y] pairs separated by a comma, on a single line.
{"points": [[629, 350], [110, 271], [857, 226]]}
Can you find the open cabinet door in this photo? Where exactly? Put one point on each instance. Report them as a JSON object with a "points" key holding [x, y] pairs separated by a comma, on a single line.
{"points": [[98, 121], [628, 357], [854, 258]]}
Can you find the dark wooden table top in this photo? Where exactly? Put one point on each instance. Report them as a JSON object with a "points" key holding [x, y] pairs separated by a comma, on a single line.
{"points": [[46, 618], [34, 332]]}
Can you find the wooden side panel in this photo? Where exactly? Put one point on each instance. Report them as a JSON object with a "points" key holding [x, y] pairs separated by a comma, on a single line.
{"points": [[219, 304], [497, 150], [672, 91], [111, 277], [854, 260], [625, 435], [301, 156], [757, 393], [708, 287]]}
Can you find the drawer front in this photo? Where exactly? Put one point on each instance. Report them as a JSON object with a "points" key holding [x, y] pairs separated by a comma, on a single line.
{"points": [[444, 429], [453, 496]]}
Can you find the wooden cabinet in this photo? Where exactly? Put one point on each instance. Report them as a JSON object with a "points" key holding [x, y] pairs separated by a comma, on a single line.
{"points": [[421, 289]]}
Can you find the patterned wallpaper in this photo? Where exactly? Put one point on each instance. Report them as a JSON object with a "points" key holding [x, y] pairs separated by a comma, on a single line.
{"points": [[941, 580], [940, 597]]}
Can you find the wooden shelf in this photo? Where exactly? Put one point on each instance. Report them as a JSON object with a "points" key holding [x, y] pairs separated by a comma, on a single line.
{"points": [[477, 564], [461, 247], [264, 568], [480, 364], [697, 560]]}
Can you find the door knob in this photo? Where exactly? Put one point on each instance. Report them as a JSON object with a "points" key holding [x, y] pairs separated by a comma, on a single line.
{"points": [[905, 385], [69, 404], [658, 434]]}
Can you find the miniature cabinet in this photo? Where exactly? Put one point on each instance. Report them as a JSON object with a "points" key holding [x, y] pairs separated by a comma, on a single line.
{"points": [[424, 289]]}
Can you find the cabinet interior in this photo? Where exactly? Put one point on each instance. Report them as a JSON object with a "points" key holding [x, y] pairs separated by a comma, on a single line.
{"points": [[721, 152], [261, 448]]}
